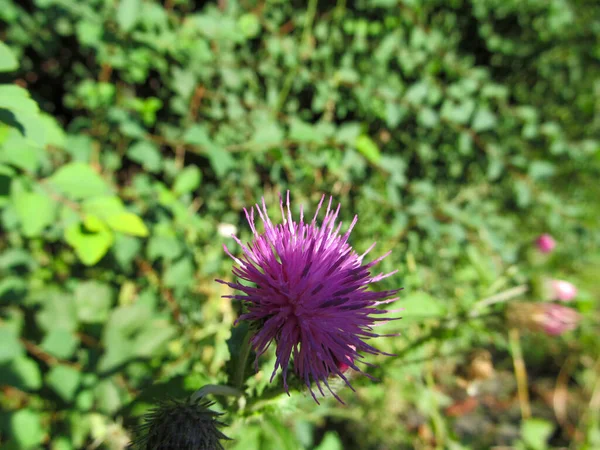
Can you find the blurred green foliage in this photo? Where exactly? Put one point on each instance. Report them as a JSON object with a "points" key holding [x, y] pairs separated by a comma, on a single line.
{"points": [[132, 133]]}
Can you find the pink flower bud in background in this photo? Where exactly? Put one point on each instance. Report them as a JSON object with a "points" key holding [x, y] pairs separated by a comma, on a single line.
{"points": [[558, 319], [548, 318], [563, 290], [545, 243]]}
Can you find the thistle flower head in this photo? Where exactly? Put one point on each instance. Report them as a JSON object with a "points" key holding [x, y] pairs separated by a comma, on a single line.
{"points": [[180, 425], [545, 243], [309, 293]]}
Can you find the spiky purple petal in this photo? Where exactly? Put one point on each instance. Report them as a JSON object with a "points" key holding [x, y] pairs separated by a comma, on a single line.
{"points": [[309, 293]]}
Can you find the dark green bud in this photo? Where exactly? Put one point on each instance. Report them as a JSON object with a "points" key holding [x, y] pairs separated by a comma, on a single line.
{"points": [[180, 425]]}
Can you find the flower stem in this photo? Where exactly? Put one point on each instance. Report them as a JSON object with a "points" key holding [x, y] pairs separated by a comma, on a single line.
{"points": [[520, 373], [215, 389], [240, 369]]}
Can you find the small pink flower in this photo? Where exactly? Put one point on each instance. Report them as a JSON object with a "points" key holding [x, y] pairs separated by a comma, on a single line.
{"points": [[550, 318], [563, 290], [545, 243], [558, 319]]}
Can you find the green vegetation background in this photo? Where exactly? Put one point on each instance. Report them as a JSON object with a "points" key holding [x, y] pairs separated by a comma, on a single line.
{"points": [[132, 133]]}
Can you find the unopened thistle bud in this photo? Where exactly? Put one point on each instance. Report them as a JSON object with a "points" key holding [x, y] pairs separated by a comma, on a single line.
{"points": [[180, 425], [548, 318], [563, 290], [545, 243]]}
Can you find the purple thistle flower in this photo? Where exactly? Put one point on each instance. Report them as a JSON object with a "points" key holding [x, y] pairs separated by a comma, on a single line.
{"points": [[309, 293]]}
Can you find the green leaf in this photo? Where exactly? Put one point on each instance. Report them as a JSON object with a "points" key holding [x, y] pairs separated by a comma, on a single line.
{"points": [[93, 300], [331, 441], [128, 223], [147, 154], [249, 25], [180, 273], [536, 432], [8, 61], [153, 338], [64, 380], [128, 13], [107, 396], [221, 161], [22, 373], [15, 98], [26, 428], [91, 240], [197, 135], [103, 207], [484, 120], [11, 346], [428, 117], [419, 306], [58, 312], [268, 134], [187, 180], [167, 247], [60, 343], [78, 180], [368, 148], [21, 152], [36, 211]]}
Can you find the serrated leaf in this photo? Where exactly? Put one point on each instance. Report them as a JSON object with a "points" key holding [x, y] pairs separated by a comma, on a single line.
{"points": [[78, 180]]}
